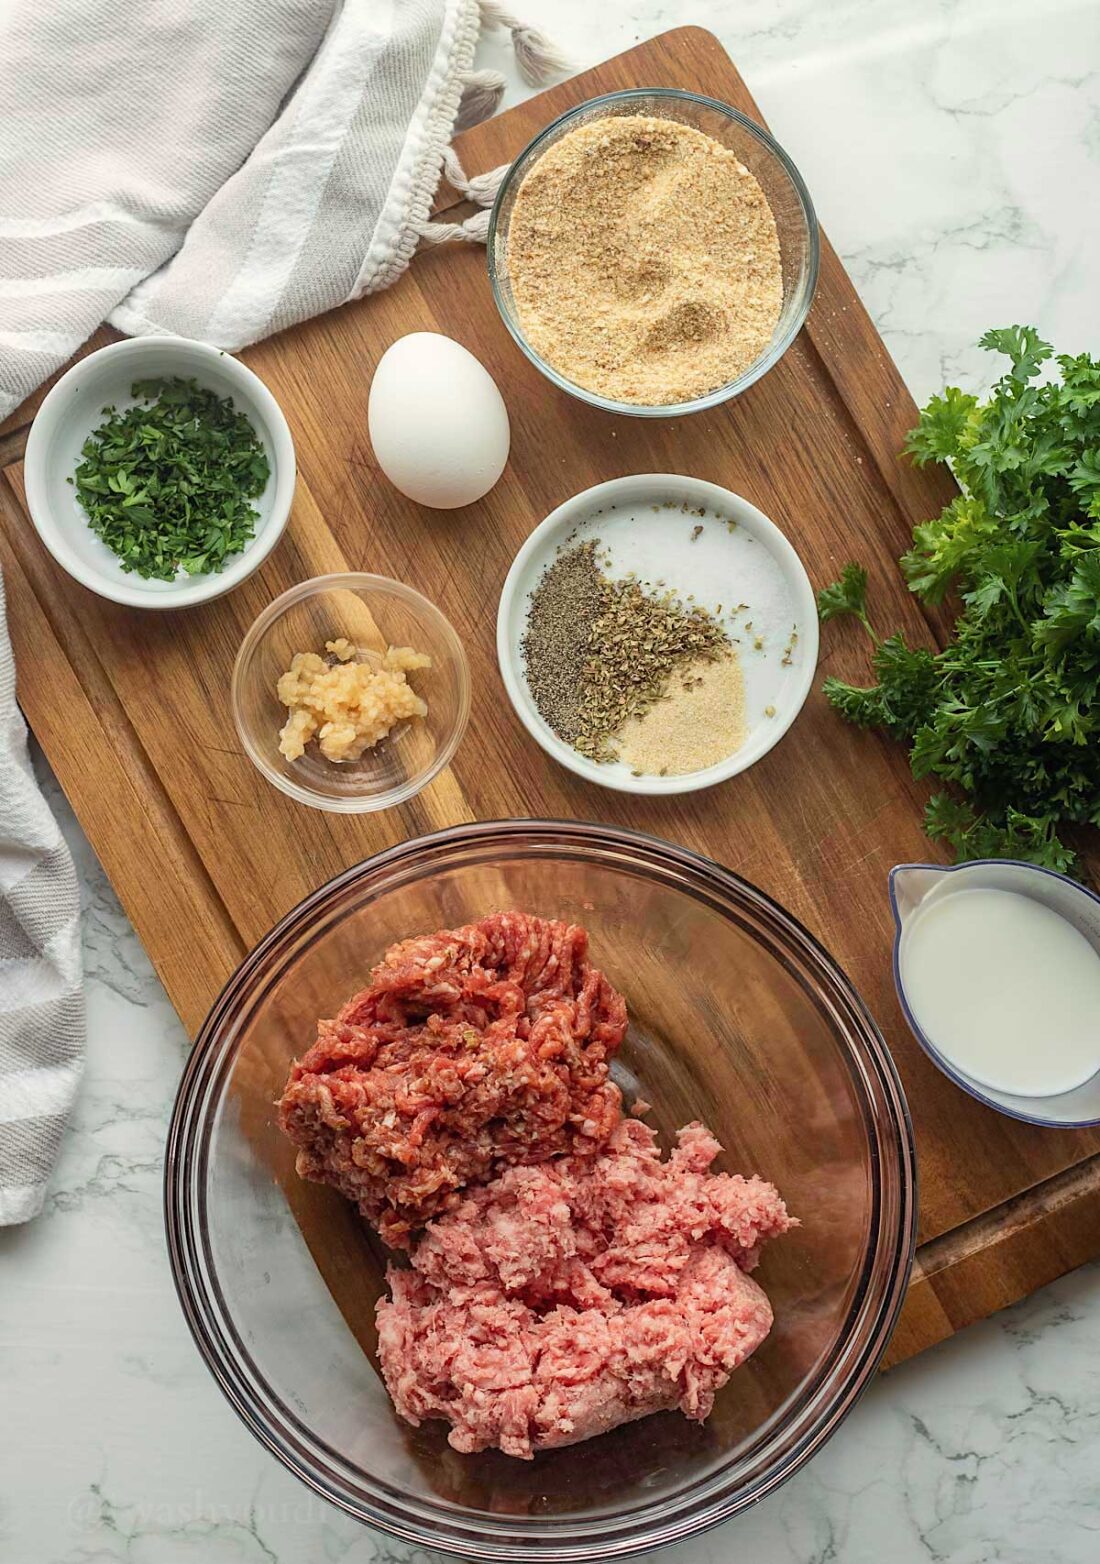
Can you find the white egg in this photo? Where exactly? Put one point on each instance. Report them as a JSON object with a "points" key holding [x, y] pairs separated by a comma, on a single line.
{"points": [[438, 424]]}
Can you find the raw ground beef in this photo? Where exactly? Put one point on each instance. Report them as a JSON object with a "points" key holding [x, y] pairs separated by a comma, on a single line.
{"points": [[472, 1050], [562, 1300]]}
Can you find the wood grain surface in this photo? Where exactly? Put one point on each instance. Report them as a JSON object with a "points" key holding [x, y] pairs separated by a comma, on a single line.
{"points": [[132, 708]]}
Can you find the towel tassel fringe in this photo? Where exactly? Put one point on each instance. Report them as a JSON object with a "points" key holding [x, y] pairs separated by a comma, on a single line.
{"points": [[481, 189], [539, 60], [481, 97]]}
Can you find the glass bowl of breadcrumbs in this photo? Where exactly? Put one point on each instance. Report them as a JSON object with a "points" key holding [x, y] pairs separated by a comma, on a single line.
{"points": [[653, 252]]}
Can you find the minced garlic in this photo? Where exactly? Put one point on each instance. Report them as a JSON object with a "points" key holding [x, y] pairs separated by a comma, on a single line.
{"points": [[347, 706]]}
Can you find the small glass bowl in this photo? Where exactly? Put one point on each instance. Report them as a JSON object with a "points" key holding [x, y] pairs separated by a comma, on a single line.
{"points": [[799, 245], [374, 613]]}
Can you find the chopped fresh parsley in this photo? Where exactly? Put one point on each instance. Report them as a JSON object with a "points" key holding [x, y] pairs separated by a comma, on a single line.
{"points": [[167, 483], [1009, 711]]}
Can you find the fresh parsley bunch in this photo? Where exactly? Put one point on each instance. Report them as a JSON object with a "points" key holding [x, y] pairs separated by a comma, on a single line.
{"points": [[167, 483], [1009, 711]]}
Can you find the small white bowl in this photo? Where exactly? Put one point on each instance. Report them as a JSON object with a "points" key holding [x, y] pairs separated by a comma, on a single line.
{"points": [[713, 573], [74, 407]]}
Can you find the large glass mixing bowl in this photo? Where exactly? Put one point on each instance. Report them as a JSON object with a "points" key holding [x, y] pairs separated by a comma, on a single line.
{"points": [[738, 1018]]}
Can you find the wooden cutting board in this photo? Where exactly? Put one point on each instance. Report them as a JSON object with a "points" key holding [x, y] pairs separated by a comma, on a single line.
{"points": [[132, 708]]}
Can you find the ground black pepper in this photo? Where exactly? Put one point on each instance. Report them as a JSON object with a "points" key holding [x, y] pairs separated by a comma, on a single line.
{"points": [[555, 645], [598, 651]]}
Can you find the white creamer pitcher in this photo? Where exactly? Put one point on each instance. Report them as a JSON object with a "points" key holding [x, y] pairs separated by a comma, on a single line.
{"points": [[916, 887]]}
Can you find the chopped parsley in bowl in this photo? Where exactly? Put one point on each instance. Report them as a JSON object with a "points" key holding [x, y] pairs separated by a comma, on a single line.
{"points": [[160, 472]]}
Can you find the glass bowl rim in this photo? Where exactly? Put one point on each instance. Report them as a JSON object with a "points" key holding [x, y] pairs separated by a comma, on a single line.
{"points": [[365, 803], [871, 1317], [779, 344]]}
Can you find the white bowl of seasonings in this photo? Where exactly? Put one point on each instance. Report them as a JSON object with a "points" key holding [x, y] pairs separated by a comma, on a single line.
{"points": [[160, 472], [657, 634]]}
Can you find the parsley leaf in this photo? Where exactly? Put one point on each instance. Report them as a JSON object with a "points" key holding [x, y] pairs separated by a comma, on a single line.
{"points": [[846, 596], [1023, 345], [1031, 837], [943, 423], [167, 483]]}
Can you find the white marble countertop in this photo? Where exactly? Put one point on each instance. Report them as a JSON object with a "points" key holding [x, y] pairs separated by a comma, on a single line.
{"points": [[953, 151]]}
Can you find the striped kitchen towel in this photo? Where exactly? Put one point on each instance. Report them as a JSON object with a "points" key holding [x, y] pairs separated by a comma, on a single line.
{"points": [[222, 171], [41, 997]]}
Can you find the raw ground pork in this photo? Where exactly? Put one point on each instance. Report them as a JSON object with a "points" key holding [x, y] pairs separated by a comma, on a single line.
{"points": [[562, 1300], [472, 1050]]}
